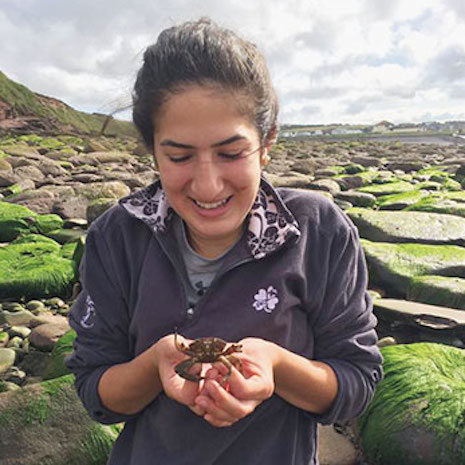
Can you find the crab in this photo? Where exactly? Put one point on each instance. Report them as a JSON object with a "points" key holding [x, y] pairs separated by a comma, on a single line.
{"points": [[206, 350]]}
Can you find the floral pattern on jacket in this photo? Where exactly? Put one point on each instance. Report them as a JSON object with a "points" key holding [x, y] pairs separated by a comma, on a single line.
{"points": [[270, 225]]}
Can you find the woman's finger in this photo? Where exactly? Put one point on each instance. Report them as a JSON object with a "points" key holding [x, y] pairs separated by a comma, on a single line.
{"points": [[226, 405]]}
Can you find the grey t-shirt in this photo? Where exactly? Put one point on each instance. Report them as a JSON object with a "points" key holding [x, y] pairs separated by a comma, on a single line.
{"points": [[200, 270]]}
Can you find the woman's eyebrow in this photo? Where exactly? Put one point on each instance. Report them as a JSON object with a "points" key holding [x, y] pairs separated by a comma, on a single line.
{"points": [[229, 140]]}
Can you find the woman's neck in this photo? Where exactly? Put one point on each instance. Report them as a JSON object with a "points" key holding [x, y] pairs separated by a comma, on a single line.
{"points": [[212, 248]]}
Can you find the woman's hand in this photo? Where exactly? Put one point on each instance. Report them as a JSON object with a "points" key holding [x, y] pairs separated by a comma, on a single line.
{"points": [[167, 356], [224, 404]]}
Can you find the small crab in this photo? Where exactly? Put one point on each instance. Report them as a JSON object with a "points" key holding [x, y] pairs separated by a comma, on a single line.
{"points": [[206, 350]]}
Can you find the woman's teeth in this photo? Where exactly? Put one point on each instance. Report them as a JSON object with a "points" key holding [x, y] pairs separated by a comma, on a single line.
{"points": [[209, 206]]}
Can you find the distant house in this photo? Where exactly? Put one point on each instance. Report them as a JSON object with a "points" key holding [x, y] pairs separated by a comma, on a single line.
{"points": [[406, 127], [382, 126], [344, 131]]}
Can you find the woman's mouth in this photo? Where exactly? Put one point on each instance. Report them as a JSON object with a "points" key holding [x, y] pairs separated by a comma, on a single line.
{"points": [[212, 206]]}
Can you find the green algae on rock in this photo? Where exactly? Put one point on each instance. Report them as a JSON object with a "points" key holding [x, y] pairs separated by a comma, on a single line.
{"points": [[56, 365], [392, 266], [443, 202], [51, 409], [400, 201], [438, 290], [395, 187], [399, 226], [416, 416], [35, 269], [17, 219]]}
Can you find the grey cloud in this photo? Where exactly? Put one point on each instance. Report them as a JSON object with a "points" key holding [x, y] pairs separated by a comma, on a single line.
{"points": [[447, 67], [313, 92], [458, 6], [356, 106]]}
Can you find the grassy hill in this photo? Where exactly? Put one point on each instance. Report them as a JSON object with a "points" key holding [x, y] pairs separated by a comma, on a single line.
{"points": [[22, 102]]}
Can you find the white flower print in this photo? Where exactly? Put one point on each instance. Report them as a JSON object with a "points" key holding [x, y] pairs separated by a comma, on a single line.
{"points": [[87, 321], [266, 299]]}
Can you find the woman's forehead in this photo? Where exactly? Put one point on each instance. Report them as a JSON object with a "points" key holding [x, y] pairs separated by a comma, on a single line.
{"points": [[199, 116]]}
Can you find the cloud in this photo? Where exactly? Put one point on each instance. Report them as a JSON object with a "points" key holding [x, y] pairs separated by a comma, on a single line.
{"points": [[349, 60]]}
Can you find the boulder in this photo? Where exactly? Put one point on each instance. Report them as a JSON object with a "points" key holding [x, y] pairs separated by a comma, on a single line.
{"points": [[395, 187], [438, 290], [357, 199], [399, 226], [392, 266], [33, 267], [7, 359], [46, 423], [44, 337], [416, 416]]}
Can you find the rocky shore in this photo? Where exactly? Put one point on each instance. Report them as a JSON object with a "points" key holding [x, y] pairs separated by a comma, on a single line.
{"points": [[408, 203]]}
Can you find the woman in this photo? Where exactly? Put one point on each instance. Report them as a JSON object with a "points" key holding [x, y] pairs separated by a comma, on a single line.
{"points": [[213, 250]]}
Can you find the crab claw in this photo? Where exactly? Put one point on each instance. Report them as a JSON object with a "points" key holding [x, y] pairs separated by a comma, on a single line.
{"points": [[182, 369]]}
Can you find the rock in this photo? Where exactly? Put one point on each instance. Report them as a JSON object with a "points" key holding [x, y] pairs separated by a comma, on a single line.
{"points": [[416, 416], [343, 204], [4, 338], [15, 342], [46, 423], [334, 448], [7, 179], [438, 290], [405, 166], [98, 207], [44, 337], [15, 375], [21, 331], [29, 172], [36, 269], [416, 322], [367, 161], [328, 185], [392, 266], [5, 166], [396, 226], [297, 180], [72, 207], [22, 317], [357, 199], [7, 359], [350, 182], [395, 187], [400, 201], [56, 364], [444, 202], [308, 166], [49, 318], [386, 341], [35, 306]]}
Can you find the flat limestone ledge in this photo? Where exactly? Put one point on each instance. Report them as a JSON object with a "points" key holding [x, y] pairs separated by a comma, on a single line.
{"points": [[432, 316]]}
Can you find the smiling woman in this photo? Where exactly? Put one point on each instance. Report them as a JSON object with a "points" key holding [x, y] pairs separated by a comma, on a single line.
{"points": [[210, 251]]}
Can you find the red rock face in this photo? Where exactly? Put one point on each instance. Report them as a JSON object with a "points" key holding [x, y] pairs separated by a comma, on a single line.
{"points": [[6, 112]]}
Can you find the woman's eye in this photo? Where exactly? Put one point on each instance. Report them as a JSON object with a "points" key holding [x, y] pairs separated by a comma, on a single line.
{"points": [[179, 159], [231, 156]]}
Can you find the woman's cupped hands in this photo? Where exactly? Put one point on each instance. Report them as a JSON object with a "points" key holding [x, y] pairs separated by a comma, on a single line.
{"points": [[220, 401]]}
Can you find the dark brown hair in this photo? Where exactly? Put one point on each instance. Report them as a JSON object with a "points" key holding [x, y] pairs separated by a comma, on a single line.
{"points": [[203, 53]]}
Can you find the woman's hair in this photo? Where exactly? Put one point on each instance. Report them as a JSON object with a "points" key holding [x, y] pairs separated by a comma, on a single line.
{"points": [[202, 53]]}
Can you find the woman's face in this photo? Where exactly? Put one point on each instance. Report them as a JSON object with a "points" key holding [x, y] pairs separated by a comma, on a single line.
{"points": [[209, 157]]}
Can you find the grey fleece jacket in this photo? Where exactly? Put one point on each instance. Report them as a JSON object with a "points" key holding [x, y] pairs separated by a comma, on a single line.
{"points": [[297, 278]]}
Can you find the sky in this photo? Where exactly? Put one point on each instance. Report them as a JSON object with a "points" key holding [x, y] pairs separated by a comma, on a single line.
{"points": [[331, 61]]}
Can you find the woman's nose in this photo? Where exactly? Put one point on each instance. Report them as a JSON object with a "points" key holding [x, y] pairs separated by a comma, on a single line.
{"points": [[207, 180]]}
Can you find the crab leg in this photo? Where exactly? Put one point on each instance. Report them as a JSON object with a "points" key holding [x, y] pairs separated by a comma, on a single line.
{"points": [[182, 369]]}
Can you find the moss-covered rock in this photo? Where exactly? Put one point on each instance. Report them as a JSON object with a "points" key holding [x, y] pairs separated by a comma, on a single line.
{"points": [[17, 219], [438, 290], [417, 414], [387, 188], [440, 203], [399, 226], [35, 268], [46, 423], [400, 201], [64, 346], [392, 266]]}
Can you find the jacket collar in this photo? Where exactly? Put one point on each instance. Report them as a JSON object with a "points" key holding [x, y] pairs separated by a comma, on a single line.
{"points": [[270, 223]]}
